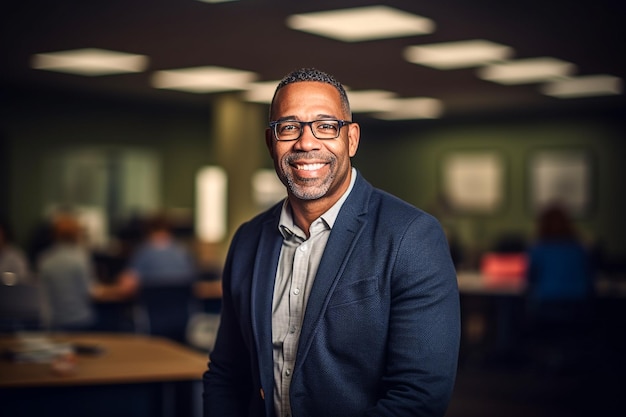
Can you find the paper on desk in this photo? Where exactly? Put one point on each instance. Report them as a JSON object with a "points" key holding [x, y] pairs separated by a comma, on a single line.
{"points": [[36, 348]]}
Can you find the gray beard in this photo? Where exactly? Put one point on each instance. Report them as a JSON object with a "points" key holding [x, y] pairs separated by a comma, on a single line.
{"points": [[304, 192], [309, 193]]}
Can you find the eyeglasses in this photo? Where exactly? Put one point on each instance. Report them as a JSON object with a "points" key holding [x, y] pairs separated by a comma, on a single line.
{"points": [[321, 129]]}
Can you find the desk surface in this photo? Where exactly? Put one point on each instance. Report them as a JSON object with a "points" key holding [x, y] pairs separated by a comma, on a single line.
{"points": [[475, 283], [127, 358]]}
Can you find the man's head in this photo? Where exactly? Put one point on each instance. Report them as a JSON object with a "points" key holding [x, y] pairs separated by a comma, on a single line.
{"points": [[66, 228], [314, 163]]}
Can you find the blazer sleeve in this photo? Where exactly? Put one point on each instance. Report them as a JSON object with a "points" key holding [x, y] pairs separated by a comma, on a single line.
{"points": [[424, 325], [226, 383]]}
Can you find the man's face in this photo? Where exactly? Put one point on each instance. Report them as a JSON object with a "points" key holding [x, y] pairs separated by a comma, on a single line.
{"points": [[311, 168]]}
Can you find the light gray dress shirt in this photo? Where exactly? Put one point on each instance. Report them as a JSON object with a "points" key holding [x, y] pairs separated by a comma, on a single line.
{"points": [[297, 266]]}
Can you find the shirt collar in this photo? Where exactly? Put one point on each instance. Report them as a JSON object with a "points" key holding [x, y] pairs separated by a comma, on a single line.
{"points": [[288, 228]]}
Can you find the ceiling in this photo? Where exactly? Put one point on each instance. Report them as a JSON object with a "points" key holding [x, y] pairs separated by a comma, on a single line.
{"points": [[252, 35]]}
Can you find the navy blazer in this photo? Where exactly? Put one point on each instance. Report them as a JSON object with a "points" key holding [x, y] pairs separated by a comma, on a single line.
{"points": [[381, 330]]}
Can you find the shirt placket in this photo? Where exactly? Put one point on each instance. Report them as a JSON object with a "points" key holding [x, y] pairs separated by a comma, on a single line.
{"points": [[296, 312]]}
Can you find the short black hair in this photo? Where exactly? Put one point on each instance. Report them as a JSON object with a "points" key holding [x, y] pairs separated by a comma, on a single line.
{"points": [[313, 74]]}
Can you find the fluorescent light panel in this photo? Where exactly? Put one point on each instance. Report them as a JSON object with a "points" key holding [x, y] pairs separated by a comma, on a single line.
{"points": [[207, 79], [261, 92], [525, 71], [90, 62], [461, 54], [412, 108], [362, 23], [584, 86], [365, 101]]}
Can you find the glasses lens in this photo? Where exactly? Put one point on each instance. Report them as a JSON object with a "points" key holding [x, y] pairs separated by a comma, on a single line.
{"points": [[288, 130], [326, 129]]}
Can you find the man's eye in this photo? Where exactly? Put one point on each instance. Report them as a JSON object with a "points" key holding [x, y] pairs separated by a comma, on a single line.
{"points": [[289, 127], [327, 126]]}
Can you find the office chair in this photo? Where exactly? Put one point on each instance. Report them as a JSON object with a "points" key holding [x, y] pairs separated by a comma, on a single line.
{"points": [[20, 308], [165, 310]]}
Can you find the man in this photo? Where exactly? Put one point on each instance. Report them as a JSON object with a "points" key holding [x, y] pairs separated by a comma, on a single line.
{"points": [[341, 300]]}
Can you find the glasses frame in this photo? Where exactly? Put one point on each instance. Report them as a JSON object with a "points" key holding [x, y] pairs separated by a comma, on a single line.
{"points": [[273, 125]]}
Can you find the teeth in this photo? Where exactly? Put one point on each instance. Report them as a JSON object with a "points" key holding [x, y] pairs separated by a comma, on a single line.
{"points": [[309, 167]]}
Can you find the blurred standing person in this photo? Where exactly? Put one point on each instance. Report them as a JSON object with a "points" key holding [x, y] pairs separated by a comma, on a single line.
{"points": [[66, 276], [341, 300], [560, 284], [14, 268]]}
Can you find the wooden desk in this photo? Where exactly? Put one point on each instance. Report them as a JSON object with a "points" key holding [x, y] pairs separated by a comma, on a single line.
{"points": [[475, 283], [135, 375], [127, 358]]}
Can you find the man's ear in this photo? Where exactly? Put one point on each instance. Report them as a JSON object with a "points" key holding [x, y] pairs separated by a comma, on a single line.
{"points": [[354, 136], [269, 141]]}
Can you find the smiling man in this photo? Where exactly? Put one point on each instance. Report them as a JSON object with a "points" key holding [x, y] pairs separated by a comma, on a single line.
{"points": [[342, 299]]}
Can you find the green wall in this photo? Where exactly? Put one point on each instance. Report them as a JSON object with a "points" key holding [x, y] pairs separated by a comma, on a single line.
{"points": [[38, 126], [408, 162], [402, 158]]}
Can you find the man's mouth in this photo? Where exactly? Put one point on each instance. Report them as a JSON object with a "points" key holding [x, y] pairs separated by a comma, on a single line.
{"points": [[309, 167]]}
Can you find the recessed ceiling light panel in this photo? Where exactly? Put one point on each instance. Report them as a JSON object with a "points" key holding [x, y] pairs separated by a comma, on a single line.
{"points": [[525, 71], [208, 79], [461, 54], [90, 62], [362, 23], [412, 108], [584, 86], [365, 101], [261, 92]]}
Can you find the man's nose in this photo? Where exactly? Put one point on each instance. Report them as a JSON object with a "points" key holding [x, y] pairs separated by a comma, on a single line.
{"points": [[307, 140]]}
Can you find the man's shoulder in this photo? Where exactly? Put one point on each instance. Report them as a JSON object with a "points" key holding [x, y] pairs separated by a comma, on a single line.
{"points": [[394, 212], [387, 204]]}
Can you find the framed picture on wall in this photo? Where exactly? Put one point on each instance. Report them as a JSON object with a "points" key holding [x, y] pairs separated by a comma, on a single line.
{"points": [[561, 176], [473, 181]]}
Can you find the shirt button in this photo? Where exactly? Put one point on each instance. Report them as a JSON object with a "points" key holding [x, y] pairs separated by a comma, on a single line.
{"points": [[303, 248], [288, 372], [292, 329], [296, 291]]}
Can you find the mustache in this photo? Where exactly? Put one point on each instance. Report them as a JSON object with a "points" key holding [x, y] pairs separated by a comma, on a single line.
{"points": [[317, 155]]}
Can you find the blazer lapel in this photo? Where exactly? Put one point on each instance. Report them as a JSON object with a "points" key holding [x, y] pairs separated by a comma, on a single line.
{"points": [[341, 243], [262, 290]]}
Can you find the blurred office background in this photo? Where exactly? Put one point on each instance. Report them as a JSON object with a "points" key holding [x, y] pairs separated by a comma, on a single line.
{"points": [[533, 113]]}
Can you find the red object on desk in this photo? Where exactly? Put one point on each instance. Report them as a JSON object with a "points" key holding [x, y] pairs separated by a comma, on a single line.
{"points": [[504, 268]]}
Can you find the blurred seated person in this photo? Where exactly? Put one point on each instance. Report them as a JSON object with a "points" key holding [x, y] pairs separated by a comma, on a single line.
{"points": [[560, 281], [160, 260], [14, 268], [160, 274], [560, 266], [66, 276]]}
